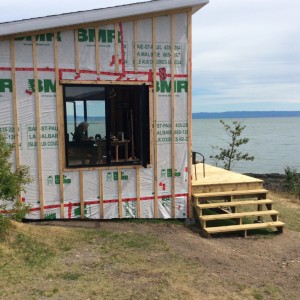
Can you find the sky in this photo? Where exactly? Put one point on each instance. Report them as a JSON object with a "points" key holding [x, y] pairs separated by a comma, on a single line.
{"points": [[246, 54]]}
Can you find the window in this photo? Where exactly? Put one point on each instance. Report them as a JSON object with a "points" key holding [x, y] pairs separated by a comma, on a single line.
{"points": [[106, 125]]}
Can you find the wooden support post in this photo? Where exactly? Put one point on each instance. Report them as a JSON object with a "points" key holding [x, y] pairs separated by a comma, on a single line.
{"points": [[173, 115], [135, 32], [81, 187], [15, 106], [38, 128], [60, 125], [117, 47], [120, 193], [189, 112], [138, 193], [77, 68], [97, 50], [155, 119], [101, 194]]}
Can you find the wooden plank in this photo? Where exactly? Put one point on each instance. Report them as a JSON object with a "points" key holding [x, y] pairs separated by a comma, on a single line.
{"points": [[38, 129], [81, 187], [238, 215], [155, 119], [189, 111], [138, 193], [113, 82], [94, 24], [97, 50], [101, 194], [15, 106], [59, 109], [77, 69], [117, 47], [233, 204], [135, 32], [229, 228], [230, 193], [173, 210], [120, 193]]}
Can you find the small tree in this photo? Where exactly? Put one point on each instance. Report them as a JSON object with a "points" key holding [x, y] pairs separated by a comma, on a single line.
{"points": [[291, 183], [12, 183], [230, 154]]}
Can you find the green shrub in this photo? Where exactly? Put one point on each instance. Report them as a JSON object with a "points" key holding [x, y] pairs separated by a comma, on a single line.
{"points": [[291, 184]]}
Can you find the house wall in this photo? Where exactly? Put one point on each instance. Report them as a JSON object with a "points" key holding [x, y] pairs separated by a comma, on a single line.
{"points": [[32, 71]]}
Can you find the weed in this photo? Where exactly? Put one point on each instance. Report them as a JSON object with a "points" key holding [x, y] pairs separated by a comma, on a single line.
{"points": [[32, 251]]}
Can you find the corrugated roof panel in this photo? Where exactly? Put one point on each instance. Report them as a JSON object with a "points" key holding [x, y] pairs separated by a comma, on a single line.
{"points": [[94, 15]]}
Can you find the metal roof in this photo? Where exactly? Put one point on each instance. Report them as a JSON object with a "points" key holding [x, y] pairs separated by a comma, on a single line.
{"points": [[102, 14]]}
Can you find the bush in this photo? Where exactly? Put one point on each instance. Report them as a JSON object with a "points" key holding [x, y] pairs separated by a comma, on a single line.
{"points": [[12, 183], [291, 183]]}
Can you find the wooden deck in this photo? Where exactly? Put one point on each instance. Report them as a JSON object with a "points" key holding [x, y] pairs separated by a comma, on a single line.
{"points": [[220, 194], [218, 180]]}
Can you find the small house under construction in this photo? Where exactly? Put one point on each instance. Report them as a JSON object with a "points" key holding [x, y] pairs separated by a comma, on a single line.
{"points": [[98, 104]]}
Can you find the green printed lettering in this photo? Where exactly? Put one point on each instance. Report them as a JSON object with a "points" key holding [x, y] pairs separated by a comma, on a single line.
{"points": [[5, 84], [82, 35], [182, 86], [165, 86], [49, 86], [110, 36]]}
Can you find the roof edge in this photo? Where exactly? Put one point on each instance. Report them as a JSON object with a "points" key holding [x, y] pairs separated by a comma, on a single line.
{"points": [[95, 15]]}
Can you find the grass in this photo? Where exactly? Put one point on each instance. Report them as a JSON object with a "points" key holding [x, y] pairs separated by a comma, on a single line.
{"points": [[77, 263], [38, 262]]}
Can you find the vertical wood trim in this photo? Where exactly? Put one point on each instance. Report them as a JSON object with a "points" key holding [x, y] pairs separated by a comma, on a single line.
{"points": [[81, 186], [120, 193], [15, 106], [101, 194], [173, 114], [138, 193], [77, 70], [151, 93], [38, 128], [135, 31], [155, 118], [117, 47], [189, 111], [60, 125], [97, 50]]}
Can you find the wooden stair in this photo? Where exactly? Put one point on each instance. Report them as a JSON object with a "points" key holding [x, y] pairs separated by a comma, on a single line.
{"points": [[224, 205]]}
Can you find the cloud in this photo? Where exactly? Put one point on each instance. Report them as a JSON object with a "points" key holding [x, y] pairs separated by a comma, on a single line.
{"points": [[246, 52]]}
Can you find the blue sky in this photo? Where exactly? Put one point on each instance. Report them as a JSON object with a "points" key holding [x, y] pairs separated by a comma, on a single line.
{"points": [[246, 54]]}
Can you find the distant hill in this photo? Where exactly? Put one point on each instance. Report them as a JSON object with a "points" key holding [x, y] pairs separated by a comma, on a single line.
{"points": [[245, 114]]}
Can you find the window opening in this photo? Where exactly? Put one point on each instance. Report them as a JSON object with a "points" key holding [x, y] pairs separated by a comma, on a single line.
{"points": [[106, 125]]}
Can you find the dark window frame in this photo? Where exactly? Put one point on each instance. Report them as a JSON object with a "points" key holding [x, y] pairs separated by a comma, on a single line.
{"points": [[140, 108]]}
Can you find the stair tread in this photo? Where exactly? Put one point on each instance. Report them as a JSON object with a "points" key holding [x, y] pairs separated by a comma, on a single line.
{"points": [[243, 227], [233, 203], [230, 193], [238, 215]]}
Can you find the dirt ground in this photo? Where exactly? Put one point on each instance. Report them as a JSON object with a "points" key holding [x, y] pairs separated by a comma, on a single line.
{"points": [[270, 263]]}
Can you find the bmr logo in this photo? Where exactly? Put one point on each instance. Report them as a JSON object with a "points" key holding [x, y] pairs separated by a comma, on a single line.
{"points": [[5, 85], [47, 37], [45, 85], [104, 35], [180, 86]]}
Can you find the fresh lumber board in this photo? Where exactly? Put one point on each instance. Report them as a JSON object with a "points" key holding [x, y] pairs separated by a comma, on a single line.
{"points": [[230, 193], [233, 203], [238, 215], [220, 229]]}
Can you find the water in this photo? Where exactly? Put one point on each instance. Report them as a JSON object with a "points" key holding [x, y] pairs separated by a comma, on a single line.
{"points": [[275, 143]]}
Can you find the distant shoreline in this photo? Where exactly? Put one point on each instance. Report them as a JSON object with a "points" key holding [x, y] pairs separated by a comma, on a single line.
{"points": [[245, 114]]}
